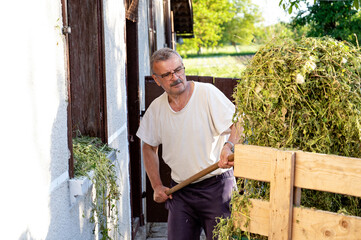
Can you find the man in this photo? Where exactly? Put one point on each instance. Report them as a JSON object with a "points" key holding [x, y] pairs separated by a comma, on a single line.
{"points": [[193, 122]]}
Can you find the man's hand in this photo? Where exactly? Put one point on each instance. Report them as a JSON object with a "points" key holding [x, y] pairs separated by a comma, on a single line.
{"points": [[223, 162], [159, 195]]}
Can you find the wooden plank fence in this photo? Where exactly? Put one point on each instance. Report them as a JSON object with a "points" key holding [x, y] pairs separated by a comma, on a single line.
{"points": [[288, 172]]}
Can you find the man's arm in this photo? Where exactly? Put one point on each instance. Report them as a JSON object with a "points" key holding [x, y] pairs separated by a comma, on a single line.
{"points": [[151, 163], [236, 133]]}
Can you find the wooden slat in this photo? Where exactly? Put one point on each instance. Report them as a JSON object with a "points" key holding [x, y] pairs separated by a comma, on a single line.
{"points": [[281, 199], [253, 162], [315, 224], [259, 215], [204, 79], [328, 173], [152, 90], [226, 85]]}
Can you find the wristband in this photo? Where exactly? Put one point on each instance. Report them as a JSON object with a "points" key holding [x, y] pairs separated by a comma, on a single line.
{"points": [[230, 143]]}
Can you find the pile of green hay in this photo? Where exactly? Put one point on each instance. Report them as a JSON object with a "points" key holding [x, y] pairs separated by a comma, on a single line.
{"points": [[300, 95], [303, 95]]}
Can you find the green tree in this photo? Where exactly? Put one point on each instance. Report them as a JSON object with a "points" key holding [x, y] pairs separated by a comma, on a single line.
{"points": [[291, 4], [241, 28], [209, 17], [264, 34], [337, 19]]}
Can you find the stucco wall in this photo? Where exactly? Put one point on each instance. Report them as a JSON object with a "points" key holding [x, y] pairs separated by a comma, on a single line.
{"points": [[115, 56], [160, 24], [35, 202], [144, 55], [34, 97], [143, 44]]}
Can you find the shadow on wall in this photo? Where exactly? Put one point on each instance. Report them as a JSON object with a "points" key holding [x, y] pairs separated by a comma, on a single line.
{"points": [[66, 221], [26, 235]]}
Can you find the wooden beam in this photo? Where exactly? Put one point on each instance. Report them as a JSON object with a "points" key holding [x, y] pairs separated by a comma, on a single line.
{"points": [[316, 224], [281, 199], [328, 173]]}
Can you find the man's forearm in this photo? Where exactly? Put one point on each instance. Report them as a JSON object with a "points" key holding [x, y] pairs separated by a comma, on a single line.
{"points": [[151, 163], [236, 133]]}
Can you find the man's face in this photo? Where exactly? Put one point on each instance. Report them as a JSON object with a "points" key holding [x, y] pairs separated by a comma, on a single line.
{"points": [[170, 75]]}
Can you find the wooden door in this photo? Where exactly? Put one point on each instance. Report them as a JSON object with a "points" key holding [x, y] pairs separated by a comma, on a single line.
{"points": [[132, 81]]}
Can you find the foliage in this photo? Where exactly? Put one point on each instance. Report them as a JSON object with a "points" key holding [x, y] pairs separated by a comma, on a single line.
{"points": [[265, 34], [240, 29], [208, 15], [227, 228], [335, 19], [90, 156], [289, 5], [304, 95]]}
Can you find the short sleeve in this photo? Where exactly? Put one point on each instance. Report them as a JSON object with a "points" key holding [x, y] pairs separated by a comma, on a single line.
{"points": [[222, 110], [148, 129]]}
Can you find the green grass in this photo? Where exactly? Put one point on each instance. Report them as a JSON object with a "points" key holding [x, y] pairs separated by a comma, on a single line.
{"points": [[226, 66], [218, 62], [222, 50]]}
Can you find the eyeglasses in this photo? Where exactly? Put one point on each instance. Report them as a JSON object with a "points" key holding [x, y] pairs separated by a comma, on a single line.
{"points": [[168, 76]]}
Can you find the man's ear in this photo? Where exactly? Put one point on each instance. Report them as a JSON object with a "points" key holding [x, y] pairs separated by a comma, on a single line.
{"points": [[156, 80]]}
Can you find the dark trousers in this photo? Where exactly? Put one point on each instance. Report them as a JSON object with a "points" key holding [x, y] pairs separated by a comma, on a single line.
{"points": [[198, 205]]}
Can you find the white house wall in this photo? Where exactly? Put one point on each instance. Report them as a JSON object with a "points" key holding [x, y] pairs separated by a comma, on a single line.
{"points": [[34, 98], [115, 56], [160, 24], [143, 42], [35, 200], [143, 45]]}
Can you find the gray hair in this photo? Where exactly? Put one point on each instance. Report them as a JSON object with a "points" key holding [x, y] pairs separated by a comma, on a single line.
{"points": [[163, 54]]}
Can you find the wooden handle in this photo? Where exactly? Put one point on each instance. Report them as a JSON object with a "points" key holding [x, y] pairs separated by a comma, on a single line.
{"points": [[197, 176]]}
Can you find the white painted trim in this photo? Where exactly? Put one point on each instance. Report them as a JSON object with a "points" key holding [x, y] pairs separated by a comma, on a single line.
{"points": [[117, 133], [58, 181]]}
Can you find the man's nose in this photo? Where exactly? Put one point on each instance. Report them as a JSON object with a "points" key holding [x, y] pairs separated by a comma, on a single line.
{"points": [[174, 74]]}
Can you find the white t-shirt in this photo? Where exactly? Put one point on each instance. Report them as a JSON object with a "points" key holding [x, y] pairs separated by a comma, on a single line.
{"points": [[192, 138]]}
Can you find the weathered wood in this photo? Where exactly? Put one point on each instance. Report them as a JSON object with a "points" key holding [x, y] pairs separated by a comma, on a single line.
{"points": [[315, 224], [328, 173], [226, 85], [87, 76], [281, 198], [204, 79]]}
